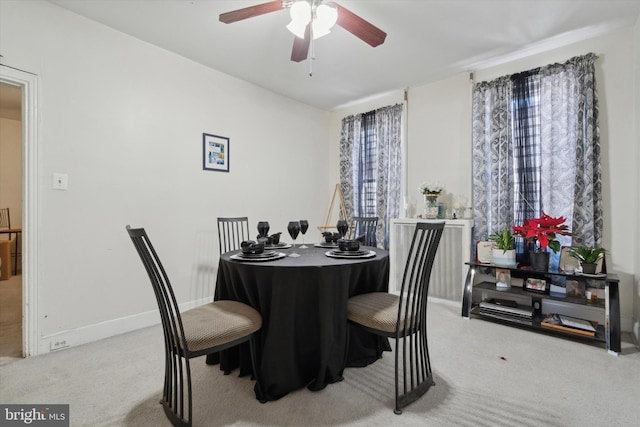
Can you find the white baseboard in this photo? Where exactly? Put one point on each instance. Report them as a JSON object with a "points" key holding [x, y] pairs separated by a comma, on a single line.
{"points": [[102, 330]]}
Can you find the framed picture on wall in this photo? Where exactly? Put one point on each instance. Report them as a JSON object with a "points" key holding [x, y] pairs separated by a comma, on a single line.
{"points": [[215, 156]]}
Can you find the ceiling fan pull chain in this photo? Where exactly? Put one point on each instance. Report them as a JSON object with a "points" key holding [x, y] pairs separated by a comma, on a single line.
{"points": [[313, 50]]}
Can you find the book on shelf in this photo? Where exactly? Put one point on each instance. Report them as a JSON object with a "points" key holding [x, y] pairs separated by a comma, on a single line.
{"points": [[570, 324]]}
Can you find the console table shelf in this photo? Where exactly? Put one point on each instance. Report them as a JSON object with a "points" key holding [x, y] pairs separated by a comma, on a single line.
{"points": [[534, 324], [607, 332]]}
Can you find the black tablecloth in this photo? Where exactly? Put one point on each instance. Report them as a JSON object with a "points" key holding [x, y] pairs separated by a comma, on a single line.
{"points": [[303, 302]]}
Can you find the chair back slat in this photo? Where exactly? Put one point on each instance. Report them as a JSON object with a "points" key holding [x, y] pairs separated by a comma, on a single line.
{"points": [[366, 227], [231, 232], [177, 368], [412, 351], [5, 218]]}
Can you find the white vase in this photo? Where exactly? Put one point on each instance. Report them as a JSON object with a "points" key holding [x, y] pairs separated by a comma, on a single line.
{"points": [[504, 258]]}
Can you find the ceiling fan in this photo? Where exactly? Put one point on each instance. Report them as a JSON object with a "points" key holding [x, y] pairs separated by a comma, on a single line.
{"points": [[309, 22]]}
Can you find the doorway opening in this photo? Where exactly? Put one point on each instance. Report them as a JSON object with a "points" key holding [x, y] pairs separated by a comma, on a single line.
{"points": [[19, 191], [10, 220]]}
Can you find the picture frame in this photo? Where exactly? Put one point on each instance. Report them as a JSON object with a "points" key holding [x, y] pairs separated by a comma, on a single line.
{"points": [[484, 252], [576, 288], [215, 152], [503, 278], [535, 285]]}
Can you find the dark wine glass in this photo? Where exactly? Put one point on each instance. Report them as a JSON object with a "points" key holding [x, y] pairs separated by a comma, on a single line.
{"points": [[293, 228], [263, 228], [304, 226], [342, 227]]}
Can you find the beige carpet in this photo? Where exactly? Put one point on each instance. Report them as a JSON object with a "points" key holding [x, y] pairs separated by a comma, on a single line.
{"points": [[486, 374]]}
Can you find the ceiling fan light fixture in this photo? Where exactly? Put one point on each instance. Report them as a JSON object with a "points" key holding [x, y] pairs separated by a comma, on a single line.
{"points": [[325, 18], [300, 13], [297, 29]]}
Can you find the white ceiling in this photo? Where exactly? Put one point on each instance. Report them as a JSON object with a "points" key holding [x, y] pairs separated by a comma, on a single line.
{"points": [[427, 40]]}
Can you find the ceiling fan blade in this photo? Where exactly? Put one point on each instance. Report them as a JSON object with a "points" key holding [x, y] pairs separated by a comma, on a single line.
{"points": [[251, 11], [360, 28], [300, 49]]}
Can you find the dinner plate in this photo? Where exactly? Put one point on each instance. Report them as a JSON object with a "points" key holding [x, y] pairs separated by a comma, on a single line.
{"points": [[359, 252], [265, 256], [326, 245], [350, 254], [278, 246]]}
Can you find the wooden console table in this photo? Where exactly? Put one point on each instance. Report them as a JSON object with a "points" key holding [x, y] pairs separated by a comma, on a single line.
{"points": [[18, 233]]}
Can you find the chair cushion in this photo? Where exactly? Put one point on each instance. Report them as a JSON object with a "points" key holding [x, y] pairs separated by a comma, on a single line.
{"points": [[376, 310], [218, 323]]}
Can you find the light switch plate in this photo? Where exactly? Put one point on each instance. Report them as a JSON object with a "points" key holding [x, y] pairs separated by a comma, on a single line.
{"points": [[60, 181]]}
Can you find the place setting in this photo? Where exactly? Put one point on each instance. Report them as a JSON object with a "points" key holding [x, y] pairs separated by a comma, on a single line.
{"points": [[344, 248], [350, 249], [331, 239], [255, 252], [270, 241]]}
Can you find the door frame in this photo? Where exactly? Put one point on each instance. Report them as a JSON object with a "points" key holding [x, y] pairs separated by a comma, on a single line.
{"points": [[28, 82]]}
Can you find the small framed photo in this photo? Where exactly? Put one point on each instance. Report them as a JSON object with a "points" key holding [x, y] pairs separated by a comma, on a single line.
{"points": [[503, 278], [215, 153], [576, 288], [535, 285]]}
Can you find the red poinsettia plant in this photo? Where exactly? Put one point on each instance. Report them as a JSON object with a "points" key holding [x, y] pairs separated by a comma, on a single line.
{"points": [[543, 230]]}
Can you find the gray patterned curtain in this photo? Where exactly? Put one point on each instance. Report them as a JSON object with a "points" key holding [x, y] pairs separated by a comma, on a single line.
{"points": [[493, 178], [349, 149], [571, 168], [388, 134], [554, 143]]}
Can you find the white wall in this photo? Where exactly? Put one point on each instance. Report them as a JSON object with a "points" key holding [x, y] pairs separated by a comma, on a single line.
{"points": [[439, 141], [124, 120]]}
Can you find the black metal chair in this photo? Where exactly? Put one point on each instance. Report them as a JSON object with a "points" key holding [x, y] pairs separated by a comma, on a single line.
{"points": [[206, 329], [404, 317], [364, 229], [231, 232]]}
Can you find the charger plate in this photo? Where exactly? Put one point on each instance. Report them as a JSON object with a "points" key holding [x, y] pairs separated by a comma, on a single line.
{"points": [[336, 253], [265, 256], [326, 245], [278, 246]]}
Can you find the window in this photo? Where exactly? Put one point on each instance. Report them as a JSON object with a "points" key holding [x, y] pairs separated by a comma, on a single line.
{"points": [[370, 165], [368, 162]]}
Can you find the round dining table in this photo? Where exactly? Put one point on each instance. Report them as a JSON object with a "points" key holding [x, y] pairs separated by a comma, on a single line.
{"points": [[303, 303]]}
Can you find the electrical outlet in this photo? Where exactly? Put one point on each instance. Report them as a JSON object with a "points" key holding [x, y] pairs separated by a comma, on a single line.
{"points": [[58, 344]]}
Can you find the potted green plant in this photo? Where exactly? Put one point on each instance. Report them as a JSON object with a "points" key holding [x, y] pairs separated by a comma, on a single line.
{"points": [[587, 256], [504, 254]]}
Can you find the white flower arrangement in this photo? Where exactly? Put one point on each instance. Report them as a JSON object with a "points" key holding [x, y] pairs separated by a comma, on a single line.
{"points": [[430, 187]]}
